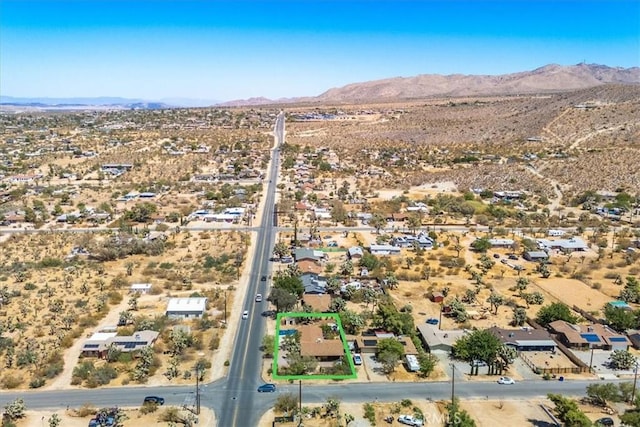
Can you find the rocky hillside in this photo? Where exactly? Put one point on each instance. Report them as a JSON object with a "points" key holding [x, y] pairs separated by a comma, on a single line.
{"points": [[550, 78]]}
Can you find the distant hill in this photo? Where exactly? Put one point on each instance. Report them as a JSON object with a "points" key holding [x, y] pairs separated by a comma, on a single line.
{"points": [[103, 102], [550, 78]]}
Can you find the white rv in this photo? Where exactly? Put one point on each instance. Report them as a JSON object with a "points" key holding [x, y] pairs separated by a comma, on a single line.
{"points": [[412, 363]]}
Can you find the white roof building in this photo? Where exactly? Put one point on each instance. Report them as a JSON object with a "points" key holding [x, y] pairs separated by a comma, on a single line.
{"points": [[186, 307], [143, 288]]}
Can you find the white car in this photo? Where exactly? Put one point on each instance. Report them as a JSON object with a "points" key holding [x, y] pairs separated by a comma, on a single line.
{"points": [[245, 314], [506, 380], [357, 359], [410, 420], [259, 298]]}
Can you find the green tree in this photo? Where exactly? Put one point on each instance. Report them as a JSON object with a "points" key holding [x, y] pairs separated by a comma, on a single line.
{"points": [[54, 420], [15, 409], [620, 319], [268, 343], [477, 345], [631, 418], [378, 222], [568, 412], [280, 249], [427, 362], [481, 245], [458, 417], [291, 284], [389, 352], [555, 311], [631, 291], [622, 359], [600, 394], [352, 322], [282, 299], [141, 212], [519, 316], [496, 300]]}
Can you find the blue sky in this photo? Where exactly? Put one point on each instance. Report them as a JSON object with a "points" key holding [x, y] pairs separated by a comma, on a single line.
{"points": [[223, 50]]}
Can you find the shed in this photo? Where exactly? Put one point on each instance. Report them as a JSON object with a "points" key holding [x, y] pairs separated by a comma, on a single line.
{"points": [[437, 297], [536, 256]]}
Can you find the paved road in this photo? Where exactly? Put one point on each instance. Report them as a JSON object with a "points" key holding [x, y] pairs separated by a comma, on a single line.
{"points": [[240, 399], [237, 408]]}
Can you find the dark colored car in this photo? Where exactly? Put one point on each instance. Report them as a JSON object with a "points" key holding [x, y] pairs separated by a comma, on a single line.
{"points": [[267, 388], [606, 421], [512, 256], [263, 279], [432, 321], [154, 399], [496, 255]]}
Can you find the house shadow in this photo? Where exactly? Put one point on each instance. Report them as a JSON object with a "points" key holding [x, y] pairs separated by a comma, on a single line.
{"points": [[541, 423]]}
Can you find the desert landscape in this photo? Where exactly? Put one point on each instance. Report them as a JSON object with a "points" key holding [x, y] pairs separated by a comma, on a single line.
{"points": [[475, 216]]}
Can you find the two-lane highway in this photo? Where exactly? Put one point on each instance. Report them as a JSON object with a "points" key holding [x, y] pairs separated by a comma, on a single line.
{"points": [[237, 408]]}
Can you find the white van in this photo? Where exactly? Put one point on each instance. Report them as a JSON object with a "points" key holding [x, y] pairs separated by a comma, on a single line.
{"points": [[412, 363]]}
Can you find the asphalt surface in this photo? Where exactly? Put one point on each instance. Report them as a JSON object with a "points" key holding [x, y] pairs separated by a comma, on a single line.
{"points": [[237, 407]]}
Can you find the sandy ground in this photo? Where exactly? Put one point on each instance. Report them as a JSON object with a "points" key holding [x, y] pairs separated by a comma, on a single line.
{"points": [[507, 412], [574, 292], [486, 413], [40, 418]]}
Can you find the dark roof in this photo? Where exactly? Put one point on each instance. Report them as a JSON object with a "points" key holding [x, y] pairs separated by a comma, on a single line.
{"points": [[522, 336]]}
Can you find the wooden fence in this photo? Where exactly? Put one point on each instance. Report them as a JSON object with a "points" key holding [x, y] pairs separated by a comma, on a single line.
{"points": [[580, 367]]}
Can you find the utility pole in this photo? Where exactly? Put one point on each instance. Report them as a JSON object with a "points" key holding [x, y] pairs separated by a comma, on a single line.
{"points": [[300, 400], [225, 308], [635, 381], [197, 391], [591, 361], [453, 383]]}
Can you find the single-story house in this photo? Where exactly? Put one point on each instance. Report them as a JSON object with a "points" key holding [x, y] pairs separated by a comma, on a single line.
{"points": [[501, 243], [319, 303], [355, 252], [309, 266], [590, 336], [300, 254], [98, 344], [567, 246], [536, 256], [313, 343], [525, 339], [436, 340], [384, 250], [141, 288], [186, 307], [313, 283]]}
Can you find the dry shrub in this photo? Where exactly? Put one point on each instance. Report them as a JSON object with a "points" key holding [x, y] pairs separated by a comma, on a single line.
{"points": [[84, 411], [10, 381]]}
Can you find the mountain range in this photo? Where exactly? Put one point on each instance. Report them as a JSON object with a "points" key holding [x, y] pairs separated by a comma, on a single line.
{"points": [[550, 78], [105, 102]]}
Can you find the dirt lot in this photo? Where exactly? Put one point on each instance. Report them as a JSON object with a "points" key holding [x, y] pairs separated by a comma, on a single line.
{"points": [[68, 419], [507, 412]]}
